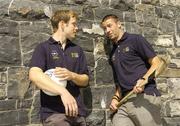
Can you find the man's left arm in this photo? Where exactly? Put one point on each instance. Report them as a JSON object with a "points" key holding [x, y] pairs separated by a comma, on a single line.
{"points": [[154, 62]]}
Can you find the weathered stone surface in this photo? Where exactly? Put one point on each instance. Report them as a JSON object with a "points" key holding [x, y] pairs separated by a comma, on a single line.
{"points": [[96, 29], [30, 40], [99, 50], [170, 2], [26, 10], [177, 33], [90, 58], [123, 5], [36, 27], [18, 82], [8, 105], [129, 17], [162, 86], [53, 1], [166, 26], [171, 108], [168, 121], [80, 1], [35, 111], [153, 2], [96, 118], [175, 52], [170, 12], [77, 9], [14, 117], [176, 63], [91, 76], [93, 3], [3, 78], [8, 27], [86, 42], [9, 51], [2, 91], [99, 97], [150, 32], [87, 12], [103, 72], [26, 58], [145, 15], [101, 12], [24, 103], [133, 28], [174, 73], [174, 87], [165, 40], [83, 23]]}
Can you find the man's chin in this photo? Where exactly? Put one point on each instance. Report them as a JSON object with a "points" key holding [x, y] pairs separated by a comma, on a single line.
{"points": [[71, 38]]}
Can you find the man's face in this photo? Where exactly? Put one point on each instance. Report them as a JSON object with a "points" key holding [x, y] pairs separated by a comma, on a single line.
{"points": [[71, 28], [111, 28]]}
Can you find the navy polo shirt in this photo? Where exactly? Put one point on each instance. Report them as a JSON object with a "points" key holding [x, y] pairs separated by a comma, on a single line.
{"points": [[48, 55], [129, 60]]}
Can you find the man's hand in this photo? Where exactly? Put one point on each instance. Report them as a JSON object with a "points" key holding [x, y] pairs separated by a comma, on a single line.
{"points": [[113, 105], [64, 73], [70, 104], [138, 88]]}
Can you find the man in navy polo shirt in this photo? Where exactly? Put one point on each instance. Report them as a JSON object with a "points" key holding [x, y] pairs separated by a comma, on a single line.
{"points": [[69, 63], [133, 60]]}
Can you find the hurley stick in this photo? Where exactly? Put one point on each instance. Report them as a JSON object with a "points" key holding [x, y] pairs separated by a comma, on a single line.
{"points": [[162, 66]]}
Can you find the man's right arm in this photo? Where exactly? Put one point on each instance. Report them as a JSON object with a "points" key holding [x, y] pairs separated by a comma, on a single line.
{"points": [[44, 82], [115, 99]]}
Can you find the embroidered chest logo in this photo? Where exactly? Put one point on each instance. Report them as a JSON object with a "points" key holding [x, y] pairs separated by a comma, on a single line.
{"points": [[74, 55], [113, 57], [54, 54], [126, 49]]}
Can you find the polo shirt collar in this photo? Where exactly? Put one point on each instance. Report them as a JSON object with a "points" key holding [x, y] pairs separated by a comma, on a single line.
{"points": [[124, 36], [53, 41]]}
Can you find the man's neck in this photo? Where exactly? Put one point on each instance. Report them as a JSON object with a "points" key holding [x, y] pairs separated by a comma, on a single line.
{"points": [[121, 33], [60, 38]]}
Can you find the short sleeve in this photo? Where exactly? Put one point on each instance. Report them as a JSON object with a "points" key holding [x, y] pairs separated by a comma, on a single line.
{"points": [[38, 58], [144, 48], [83, 69]]}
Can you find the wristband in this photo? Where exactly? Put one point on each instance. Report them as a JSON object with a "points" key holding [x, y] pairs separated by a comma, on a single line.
{"points": [[116, 98], [142, 78]]}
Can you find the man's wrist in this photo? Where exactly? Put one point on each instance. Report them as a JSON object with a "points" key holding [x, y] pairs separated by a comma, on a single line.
{"points": [[116, 98], [73, 76], [143, 78]]}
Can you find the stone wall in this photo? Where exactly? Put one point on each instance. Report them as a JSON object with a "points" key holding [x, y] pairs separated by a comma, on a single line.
{"points": [[24, 24]]}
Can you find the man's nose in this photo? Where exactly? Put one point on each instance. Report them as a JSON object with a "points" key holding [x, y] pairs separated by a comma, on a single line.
{"points": [[107, 31]]}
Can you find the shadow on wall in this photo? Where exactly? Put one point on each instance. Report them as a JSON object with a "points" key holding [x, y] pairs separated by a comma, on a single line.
{"points": [[87, 98]]}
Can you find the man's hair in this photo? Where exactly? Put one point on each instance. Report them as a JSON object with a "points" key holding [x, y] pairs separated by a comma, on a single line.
{"points": [[110, 16], [61, 15]]}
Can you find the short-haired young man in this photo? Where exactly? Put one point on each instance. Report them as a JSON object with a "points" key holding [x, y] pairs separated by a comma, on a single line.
{"points": [[133, 60], [69, 62]]}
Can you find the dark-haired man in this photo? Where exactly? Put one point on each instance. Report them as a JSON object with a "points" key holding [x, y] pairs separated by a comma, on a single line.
{"points": [[133, 60]]}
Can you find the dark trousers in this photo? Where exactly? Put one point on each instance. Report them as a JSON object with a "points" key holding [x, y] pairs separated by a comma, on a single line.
{"points": [[63, 120]]}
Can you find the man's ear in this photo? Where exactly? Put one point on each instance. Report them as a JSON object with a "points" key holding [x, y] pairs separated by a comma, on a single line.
{"points": [[119, 24], [61, 25]]}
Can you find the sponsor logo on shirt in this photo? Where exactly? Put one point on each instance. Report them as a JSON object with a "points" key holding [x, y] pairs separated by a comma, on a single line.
{"points": [[113, 57], [74, 55], [126, 49], [54, 54]]}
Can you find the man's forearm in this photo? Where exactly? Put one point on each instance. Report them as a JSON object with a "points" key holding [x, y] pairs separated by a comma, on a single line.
{"points": [[80, 79], [154, 65], [43, 82]]}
